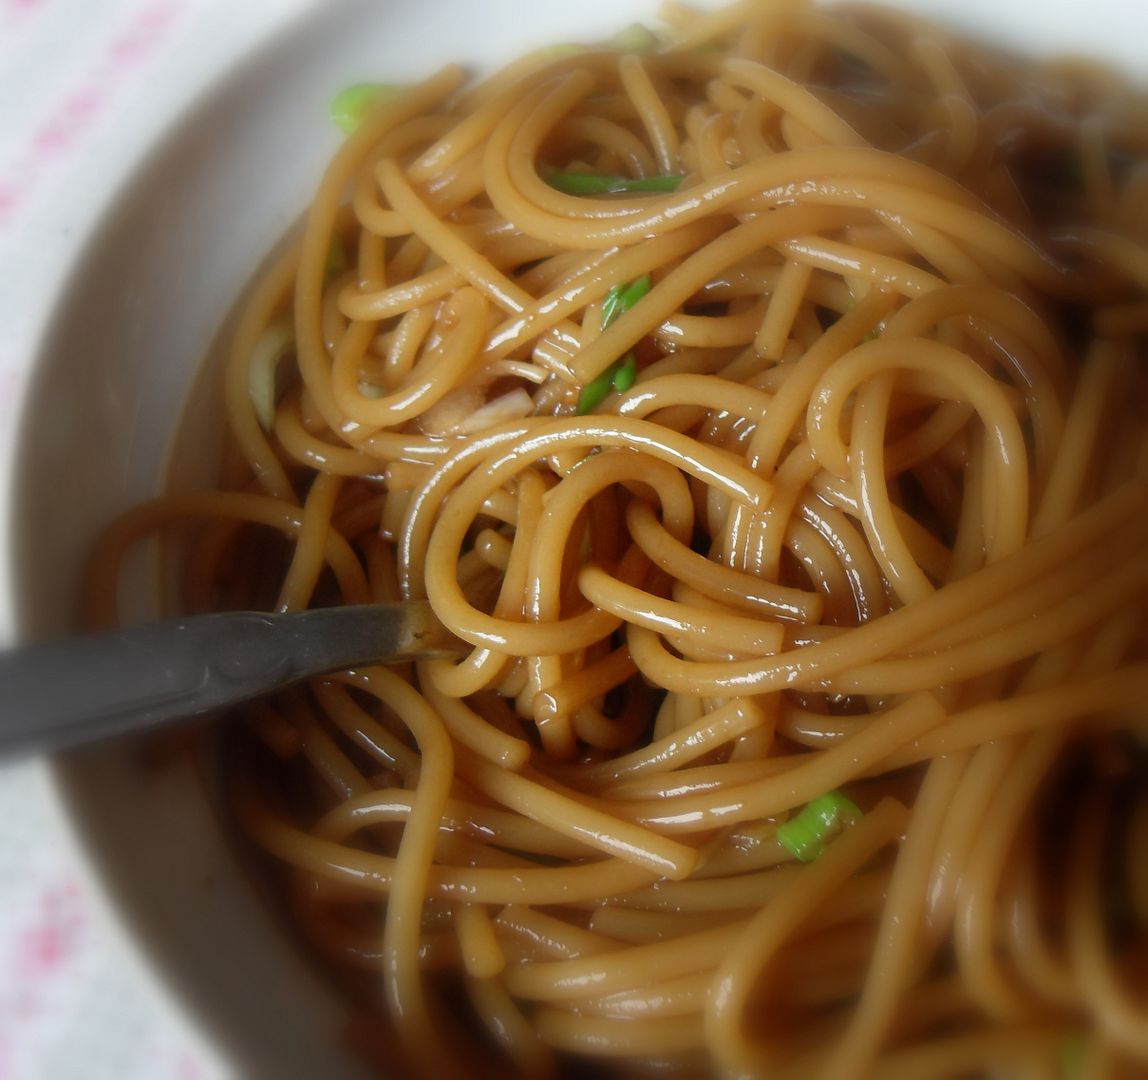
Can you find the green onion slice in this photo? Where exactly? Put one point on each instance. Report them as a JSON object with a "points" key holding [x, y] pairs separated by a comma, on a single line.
{"points": [[588, 183], [1073, 1055], [626, 374], [596, 390], [621, 374], [621, 298], [267, 373], [803, 836], [634, 38], [337, 259], [350, 106]]}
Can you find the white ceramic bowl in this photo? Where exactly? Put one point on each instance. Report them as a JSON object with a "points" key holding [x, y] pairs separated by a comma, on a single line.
{"points": [[143, 301]]}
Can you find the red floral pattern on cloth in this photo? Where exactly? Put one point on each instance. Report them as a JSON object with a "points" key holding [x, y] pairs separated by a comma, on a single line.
{"points": [[85, 87], [73, 1006], [80, 106]]}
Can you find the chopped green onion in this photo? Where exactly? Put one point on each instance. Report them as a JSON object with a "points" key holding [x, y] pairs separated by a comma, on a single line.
{"points": [[634, 38], [266, 372], [350, 106], [1073, 1056], [610, 305], [595, 391], [626, 374], [621, 298], [337, 259], [621, 374], [588, 183], [803, 836]]}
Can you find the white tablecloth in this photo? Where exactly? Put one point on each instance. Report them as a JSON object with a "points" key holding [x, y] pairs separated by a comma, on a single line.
{"points": [[85, 87]]}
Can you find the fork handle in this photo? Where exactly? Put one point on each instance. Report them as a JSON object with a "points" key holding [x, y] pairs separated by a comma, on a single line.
{"points": [[98, 686]]}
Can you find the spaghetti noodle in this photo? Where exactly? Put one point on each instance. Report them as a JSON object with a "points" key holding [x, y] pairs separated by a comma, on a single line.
{"points": [[764, 410]]}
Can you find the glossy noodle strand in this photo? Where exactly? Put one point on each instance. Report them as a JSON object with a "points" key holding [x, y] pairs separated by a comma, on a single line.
{"points": [[761, 405]]}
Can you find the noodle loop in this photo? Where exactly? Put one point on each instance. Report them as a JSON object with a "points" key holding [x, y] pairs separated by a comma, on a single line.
{"points": [[765, 410]]}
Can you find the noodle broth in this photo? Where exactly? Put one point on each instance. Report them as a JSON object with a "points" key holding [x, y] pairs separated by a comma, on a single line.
{"points": [[755, 401]]}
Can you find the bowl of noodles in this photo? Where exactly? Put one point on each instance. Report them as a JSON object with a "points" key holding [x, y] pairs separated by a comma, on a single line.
{"points": [[759, 396]]}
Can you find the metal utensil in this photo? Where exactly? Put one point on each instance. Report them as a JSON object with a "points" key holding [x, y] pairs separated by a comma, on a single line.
{"points": [[125, 681]]}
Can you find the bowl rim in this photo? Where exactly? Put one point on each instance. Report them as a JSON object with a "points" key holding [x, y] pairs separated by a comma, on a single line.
{"points": [[176, 1002]]}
